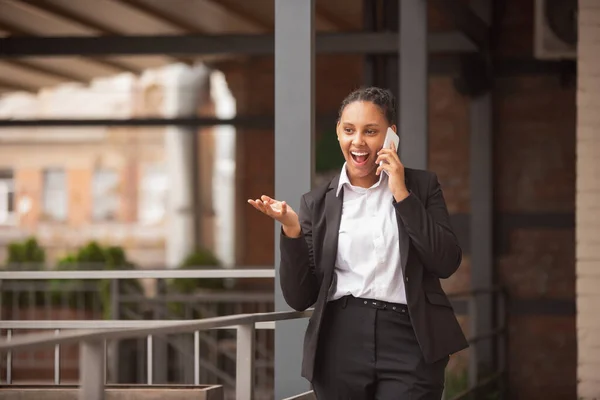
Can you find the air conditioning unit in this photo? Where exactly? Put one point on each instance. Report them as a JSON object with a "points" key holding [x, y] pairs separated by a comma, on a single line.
{"points": [[555, 33]]}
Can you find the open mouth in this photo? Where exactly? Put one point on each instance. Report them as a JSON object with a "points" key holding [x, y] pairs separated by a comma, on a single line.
{"points": [[360, 158]]}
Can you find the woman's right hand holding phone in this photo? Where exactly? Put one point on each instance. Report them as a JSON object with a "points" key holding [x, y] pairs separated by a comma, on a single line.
{"points": [[279, 211]]}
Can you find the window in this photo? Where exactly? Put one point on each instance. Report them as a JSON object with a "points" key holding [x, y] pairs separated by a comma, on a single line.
{"points": [[153, 195], [55, 194], [7, 198], [105, 195]]}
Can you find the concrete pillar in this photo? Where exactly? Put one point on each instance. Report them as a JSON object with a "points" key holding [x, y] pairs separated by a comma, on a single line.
{"points": [[588, 201], [294, 161], [224, 170], [184, 86]]}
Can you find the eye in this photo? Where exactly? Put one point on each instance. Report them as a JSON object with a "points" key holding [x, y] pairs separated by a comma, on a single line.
{"points": [[348, 130], [371, 132]]}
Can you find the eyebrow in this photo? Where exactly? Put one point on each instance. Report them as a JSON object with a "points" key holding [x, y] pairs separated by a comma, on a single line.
{"points": [[367, 125]]}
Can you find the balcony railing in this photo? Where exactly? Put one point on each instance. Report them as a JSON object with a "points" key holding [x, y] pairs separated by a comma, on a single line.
{"points": [[92, 345], [92, 335]]}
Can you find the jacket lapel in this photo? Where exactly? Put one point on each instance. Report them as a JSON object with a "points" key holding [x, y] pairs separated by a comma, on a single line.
{"points": [[403, 235], [333, 216]]}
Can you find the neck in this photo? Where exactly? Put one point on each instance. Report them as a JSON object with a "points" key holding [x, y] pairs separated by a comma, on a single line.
{"points": [[364, 181]]}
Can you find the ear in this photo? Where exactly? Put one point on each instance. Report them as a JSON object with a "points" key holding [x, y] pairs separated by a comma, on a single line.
{"points": [[337, 129], [394, 129]]}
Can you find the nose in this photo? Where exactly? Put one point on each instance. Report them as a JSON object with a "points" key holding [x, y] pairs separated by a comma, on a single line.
{"points": [[358, 140]]}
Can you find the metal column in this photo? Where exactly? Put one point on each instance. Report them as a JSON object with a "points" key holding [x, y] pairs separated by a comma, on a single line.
{"points": [[481, 225], [412, 53], [482, 257], [294, 166]]}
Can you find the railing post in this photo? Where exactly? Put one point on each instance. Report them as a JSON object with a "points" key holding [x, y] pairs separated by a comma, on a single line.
{"points": [[244, 379], [57, 360], [196, 357], [473, 331], [9, 359], [502, 340], [149, 359], [113, 346], [91, 370]]}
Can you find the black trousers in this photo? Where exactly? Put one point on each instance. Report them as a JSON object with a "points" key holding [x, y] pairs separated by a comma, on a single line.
{"points": [[368, 351]]}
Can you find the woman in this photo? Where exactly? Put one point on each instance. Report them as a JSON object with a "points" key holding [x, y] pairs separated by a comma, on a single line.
{"points": [[368, 251]]}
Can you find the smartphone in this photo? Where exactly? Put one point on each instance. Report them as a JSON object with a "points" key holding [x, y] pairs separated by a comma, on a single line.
{"points": [[390, 137]]}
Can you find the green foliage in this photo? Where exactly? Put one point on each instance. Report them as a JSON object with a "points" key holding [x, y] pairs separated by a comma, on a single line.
{"points": [[328, 154], [93, 256], [26, 255], [456, 382], [201, 259]]}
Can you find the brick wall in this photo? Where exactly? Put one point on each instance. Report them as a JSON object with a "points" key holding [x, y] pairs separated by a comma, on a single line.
{"points": [[534, 162], [588, 200], [79, 189], [534, 176], [28, 185]]}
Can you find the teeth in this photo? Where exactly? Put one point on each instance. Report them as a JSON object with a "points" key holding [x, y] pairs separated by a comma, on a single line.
{"points": [[359, 154]]}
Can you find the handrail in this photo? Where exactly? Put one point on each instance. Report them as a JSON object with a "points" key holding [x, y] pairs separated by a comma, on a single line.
{"points": [[92, 358], [35, 340], [43, 324], [140, 274], [245, 323]]}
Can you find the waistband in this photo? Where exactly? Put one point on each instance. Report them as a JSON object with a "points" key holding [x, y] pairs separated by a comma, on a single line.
{"points": [[351, 301]]}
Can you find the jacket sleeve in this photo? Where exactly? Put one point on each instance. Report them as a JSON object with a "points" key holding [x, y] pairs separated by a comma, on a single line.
{"points": [[428, 227], [298, 280]]}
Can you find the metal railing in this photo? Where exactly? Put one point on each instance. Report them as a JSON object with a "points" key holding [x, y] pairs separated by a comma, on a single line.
{"points": [[144, 328], [57, 326], [217, 349], [216, 273], [92, 345], [80, 300], [498, 333]]}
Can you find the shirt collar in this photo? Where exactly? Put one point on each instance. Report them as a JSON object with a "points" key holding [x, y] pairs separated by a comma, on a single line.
{"points": [[344, 180]]}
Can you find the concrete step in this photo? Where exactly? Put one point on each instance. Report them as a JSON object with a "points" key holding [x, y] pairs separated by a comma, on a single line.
{"points": [[114, 392]]}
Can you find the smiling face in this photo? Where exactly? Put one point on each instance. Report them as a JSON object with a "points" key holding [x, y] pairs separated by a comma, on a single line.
{"points": [[361, 131]]}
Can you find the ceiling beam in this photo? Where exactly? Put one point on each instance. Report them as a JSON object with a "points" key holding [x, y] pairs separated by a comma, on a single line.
{"points": [[17, 87], [53, 9], [466, 20], [157, 15], [233, 8], [16, 31], [329, 43], [51, 72], [175, 23]]}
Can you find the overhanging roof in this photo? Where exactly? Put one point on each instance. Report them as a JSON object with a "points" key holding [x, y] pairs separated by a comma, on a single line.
{"points": [[89, 18], [47, 42]]}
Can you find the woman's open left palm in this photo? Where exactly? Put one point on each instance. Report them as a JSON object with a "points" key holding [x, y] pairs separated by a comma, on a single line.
{"points": [[278, 210]]}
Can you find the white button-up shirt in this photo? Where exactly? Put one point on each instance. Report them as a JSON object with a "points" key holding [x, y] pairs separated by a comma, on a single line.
{"points": [[368, 262]]}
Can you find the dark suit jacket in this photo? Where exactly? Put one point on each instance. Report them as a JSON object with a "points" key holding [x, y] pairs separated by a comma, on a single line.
{"points": [[307, 263]]}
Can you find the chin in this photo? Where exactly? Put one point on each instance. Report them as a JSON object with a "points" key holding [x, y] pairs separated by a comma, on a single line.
{"points": [[362, 172]]}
